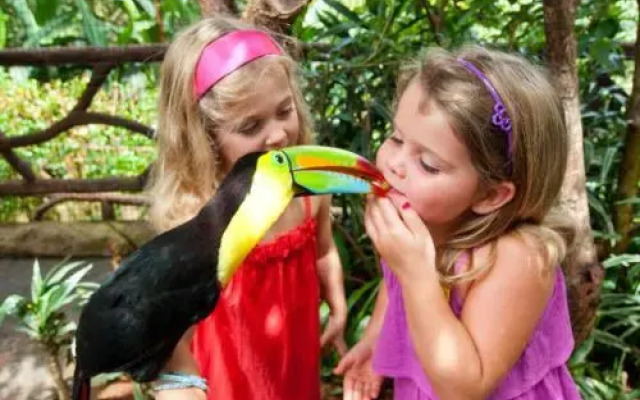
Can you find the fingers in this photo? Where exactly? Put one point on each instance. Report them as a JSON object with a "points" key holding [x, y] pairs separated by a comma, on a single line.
{"points": [[341, 345], [345, 363], [413, 221], [326, 336], [374, 387], [358, 390], [369, 225]]}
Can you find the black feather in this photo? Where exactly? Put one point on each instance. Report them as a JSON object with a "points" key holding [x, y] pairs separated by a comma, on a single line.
{"points": [[133, 322]]}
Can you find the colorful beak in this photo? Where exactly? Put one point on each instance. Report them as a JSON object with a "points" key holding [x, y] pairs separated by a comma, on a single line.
{"points": [[327, 170]]}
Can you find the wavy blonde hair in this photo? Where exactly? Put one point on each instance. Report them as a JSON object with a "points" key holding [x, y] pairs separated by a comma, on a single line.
{"points": [[540, 148], [188, 170]]}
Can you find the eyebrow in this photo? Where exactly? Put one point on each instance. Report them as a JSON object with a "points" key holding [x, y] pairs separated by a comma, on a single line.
{"points": [[287, 99], [423, 148]]}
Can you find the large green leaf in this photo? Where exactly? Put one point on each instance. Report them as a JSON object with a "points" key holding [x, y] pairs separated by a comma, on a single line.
{"points": [[36, 282], [12, 306], [94, 30]]}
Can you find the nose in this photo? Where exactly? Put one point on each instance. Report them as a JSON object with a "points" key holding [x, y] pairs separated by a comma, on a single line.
{"points": [[277, 136], [396, 164]]}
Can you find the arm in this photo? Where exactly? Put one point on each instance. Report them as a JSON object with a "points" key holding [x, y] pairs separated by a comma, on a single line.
{"points": [[331, 280], [463, 358], [360, 381], [468, 357], [372, 331], [182, 361]]}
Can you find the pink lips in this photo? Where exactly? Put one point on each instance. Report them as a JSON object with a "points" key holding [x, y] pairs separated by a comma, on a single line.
{"points": [[398, 198]]}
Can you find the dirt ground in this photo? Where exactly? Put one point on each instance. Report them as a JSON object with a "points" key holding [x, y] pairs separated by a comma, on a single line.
{"points": [[23, 375]]}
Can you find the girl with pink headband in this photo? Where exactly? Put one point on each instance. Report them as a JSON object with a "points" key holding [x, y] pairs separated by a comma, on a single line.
{"points": [[228, 89], [473, 304]]}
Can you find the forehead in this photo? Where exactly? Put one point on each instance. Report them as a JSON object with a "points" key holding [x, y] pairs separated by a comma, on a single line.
{"points": [[426, 126], [259, 88]]}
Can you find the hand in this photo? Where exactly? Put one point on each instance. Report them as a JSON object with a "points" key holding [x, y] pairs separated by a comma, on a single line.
{"points": [[334, 331], [360, 381], [401, 238], [181, 394]]}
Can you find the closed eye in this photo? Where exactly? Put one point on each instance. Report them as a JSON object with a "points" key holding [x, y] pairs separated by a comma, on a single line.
{"points": [[285, 111], [249, 127], [428, 168]]}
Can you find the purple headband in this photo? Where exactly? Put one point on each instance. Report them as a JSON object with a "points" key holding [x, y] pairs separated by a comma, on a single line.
{"points": [[499, 118]]}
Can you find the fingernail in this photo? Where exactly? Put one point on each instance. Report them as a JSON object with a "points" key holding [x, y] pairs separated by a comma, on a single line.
{"points": [[406, 205]]}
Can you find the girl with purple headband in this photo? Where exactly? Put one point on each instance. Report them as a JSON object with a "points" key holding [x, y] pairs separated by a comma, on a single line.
{"points": [[228, 89], [473, 304]]}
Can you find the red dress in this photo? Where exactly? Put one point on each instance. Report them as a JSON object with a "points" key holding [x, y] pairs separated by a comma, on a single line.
{"points": [[263, 339]]}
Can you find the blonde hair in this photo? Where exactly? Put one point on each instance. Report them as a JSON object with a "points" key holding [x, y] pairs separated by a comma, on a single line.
{"points": [[539, 152], [188, 170]]}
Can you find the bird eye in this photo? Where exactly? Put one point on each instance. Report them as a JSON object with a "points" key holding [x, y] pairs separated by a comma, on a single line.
{"points": [[279, 158]]}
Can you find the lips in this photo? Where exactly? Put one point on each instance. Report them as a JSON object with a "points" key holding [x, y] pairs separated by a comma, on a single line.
{"points": [[397, 198]]}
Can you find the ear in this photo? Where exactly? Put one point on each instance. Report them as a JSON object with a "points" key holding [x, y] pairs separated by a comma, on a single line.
{"points": [[496, 196]]}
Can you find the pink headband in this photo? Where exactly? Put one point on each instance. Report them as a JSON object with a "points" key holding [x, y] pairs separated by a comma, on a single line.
{"points": [[228, 53]]}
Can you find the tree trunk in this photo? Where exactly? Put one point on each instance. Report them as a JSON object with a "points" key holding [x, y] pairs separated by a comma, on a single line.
{"points": [[584, 273], [630, 167], [159, 20], [56, 373], [276, 15], [213, 7]]}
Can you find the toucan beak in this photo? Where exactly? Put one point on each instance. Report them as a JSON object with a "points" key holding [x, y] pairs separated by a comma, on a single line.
{"points": [[327, 170]]}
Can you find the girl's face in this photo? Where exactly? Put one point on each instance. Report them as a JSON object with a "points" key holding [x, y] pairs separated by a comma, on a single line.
{"points": [[427, 165], [270, 121]]}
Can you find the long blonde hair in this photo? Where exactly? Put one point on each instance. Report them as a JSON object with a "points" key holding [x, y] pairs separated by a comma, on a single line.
{"points": [[539, 152], [187, 170]]}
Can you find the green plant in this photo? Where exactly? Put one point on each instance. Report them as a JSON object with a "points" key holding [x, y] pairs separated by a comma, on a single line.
{"points": [[43, 316]]}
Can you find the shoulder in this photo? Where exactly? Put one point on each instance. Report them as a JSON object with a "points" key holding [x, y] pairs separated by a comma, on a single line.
{"points": [[320, 205], [516, 262]]}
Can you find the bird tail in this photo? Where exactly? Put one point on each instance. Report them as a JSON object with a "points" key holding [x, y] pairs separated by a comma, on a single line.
{"points": [[81, 385]]}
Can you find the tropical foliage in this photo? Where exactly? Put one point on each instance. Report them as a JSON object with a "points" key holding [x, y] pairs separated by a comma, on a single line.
{"points": [[349, 72]]}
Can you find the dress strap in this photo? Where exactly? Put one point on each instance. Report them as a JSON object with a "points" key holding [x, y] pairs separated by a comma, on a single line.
{"points": [[307, 207], [455, 299]]}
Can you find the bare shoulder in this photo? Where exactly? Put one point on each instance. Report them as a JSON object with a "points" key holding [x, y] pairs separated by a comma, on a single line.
{"points": [[504, 305], [517, 262], [320, 205]]}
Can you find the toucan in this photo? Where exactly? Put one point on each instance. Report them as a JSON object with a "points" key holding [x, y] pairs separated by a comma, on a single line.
{"points": [[134, 320]]}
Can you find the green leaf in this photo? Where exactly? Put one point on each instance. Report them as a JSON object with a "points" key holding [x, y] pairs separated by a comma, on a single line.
{"points": [[24, 14], [36, 282], [131, 10], [598, 206], [344, 11], [148, 7], [11, 306], [3, 29], [69, 327], [581, 353], [620, 260], [91, 26], [71, 282], [57, 273], [607, 162], [138, 394], [630, 200], [45, 9]]}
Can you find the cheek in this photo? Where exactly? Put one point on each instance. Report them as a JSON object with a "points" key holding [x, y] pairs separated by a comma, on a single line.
{"points": [[235, 146], [382, 155], [440, 200], [293, 129]]}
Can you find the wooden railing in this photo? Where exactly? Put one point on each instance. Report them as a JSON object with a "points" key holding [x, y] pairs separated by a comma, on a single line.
{"points": [[101, 61]]}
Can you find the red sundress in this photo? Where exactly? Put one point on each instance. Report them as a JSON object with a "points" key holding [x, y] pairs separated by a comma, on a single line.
{"points": [[262, 342]]}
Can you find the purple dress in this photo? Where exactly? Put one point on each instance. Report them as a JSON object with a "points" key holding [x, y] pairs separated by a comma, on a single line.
{"points": [[540, 373]]}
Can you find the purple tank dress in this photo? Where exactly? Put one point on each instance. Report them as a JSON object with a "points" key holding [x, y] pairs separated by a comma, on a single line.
{"points": [[539, 374]]}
